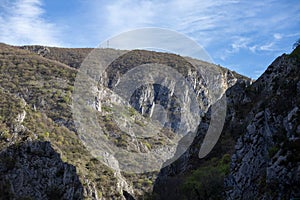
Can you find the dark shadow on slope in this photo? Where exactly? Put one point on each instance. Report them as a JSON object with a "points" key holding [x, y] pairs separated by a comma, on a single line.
{"points": [[169, 184]]}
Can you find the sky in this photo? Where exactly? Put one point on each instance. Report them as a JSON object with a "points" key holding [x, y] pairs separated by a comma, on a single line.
{"points": [[244, 36]]}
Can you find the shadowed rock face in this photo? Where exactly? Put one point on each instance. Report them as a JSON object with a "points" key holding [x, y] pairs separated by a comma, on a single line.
{"points": [[34, 170]]}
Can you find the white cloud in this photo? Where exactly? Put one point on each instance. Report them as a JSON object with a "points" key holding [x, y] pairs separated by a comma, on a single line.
{"points": [[253, 48], [237, 44], [21, 22], [277, 36], [188, 17], [293, 34], [228, 30], [267, 47], [240, 43], [206, 21], [130, 13]]}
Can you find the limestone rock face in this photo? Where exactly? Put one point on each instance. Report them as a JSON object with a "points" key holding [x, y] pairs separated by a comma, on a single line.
{"points": [[261, 133], [167, 97], [170, 179], [260, 136], [155, 96], [265, 164], [34, 170]]}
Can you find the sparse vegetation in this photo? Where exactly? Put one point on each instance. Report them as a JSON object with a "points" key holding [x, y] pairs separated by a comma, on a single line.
{"points": [[46, 88], [207, 182], [42, 86]]}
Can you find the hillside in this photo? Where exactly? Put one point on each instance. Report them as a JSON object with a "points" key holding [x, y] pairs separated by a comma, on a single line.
{"points": [[36, 88], [42, 91], [36, 107], [257, 156]]}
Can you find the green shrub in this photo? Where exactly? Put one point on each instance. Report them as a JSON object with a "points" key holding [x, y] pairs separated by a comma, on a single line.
{"points": [[207, 182], [106, 108], [204, 183], [147, 144], [4, 135], [132, 111], [140, 123]]}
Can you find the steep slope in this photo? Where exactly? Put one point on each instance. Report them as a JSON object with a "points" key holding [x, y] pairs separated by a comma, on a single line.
{"points": [[33, 170], [266, 162], [158, 88], [35, 105], [36, 85], [190, 177], [123, 119], [261, 135]]}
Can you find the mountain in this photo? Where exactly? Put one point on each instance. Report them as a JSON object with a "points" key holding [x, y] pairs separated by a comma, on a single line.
{"points": [[43, 146], [257, 156]]}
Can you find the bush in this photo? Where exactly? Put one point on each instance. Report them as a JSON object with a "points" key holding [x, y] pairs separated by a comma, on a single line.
{"points": [[207, 182], [147, 144], [204, 183]]}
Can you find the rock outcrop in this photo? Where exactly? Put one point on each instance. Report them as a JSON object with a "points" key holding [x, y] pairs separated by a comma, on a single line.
{"points": [[261, 132], [34, 170], [257, 155], [266, 162], [168, 89]]}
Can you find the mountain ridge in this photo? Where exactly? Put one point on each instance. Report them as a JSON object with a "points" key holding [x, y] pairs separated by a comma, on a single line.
{"points": [[42, 78]]}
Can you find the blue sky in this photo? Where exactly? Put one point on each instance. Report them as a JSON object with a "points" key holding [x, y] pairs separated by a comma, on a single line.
{"points": [[245, 36]]}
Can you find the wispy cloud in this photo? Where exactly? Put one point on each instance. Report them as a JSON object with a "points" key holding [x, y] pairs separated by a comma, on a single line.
{"points": [[242, 33], [277, 36], [240, 43], [231, 31], [267, 47], [208, 22], [189, 17], [21, 22]]}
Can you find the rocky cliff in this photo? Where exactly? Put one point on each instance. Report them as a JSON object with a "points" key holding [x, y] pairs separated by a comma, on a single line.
{"points": [[260, 135], [255, 157], [36, 96], [37, 83], [266, 162], [34, 170]]}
